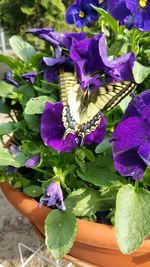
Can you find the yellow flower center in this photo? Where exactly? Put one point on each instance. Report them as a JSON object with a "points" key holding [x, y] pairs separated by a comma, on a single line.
{"points": [[143, 3], [57, 182], [81, 14]]}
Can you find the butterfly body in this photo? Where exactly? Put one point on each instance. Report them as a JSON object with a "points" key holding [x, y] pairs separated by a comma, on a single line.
{"points": [[82, 110]]}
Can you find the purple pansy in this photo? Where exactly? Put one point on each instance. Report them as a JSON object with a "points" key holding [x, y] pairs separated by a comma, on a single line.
{"points": [[8, 78], [33, 161], [81, 12], [48, 35], [131, 13], [131, 138], [140, 10], [53, 130], [91, 60], [53, 196], [30, 76]]}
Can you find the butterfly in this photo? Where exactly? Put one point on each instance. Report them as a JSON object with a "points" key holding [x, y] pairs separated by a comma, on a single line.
{"points": [[82, 110]]}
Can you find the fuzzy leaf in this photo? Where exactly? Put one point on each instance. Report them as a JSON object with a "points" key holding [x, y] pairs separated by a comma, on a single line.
{"points": [[6, 89], [60, 230], [36, 105], [83, 202], [21, 48], [140, 72], [33, 191], [97, 175], [132, 217], [9, 127], [7, 159]]}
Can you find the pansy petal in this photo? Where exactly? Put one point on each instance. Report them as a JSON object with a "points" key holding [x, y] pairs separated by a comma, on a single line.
{"points": [[129, 134], [118, 9], [144, 153], [98, 134], [130, 164], [52, 129]]}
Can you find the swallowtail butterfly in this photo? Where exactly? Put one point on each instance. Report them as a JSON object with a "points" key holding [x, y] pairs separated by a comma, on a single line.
{"points": [[82, 110]]}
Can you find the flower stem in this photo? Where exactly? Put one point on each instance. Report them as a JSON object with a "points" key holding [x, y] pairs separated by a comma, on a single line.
{"points": [[40, 170]]}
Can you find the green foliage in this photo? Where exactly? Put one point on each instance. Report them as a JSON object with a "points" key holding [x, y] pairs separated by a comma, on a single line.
{"points": [[83, 202], [63, 226], [33, 191], [21, 48], [17, 16], [7, 159], [132, 217], [36, 105]]}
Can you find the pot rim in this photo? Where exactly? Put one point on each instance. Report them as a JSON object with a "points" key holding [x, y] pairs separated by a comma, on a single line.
{"points": [[102, 235]]}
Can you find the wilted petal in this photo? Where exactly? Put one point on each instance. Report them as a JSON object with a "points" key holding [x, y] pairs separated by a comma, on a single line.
{"points": [[53, 196]]}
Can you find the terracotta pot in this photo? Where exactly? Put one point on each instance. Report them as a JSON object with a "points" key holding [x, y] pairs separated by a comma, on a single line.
{"points": [[95, 243]]}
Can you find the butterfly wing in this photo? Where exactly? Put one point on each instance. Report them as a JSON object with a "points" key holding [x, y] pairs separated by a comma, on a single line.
{"points": [[110, 95], [84, 109]]}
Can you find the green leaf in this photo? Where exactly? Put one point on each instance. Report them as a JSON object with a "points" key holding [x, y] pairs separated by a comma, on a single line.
{"points": [[27, 92], [83, 202], [97, 175], [146, 176], [114, 25], [140, 72], [21, 48], [60, 230], [20, 158], [125, 102], [7, 159], [36, 105], [33, 191], [9, 127], [11, 62], [6, 89], [3, 108], [103, 146], [32, 122], [132, 217]]}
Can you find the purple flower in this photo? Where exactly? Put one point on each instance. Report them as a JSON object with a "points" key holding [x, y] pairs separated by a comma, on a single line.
{"points": [[8, 78], [131, 138], [91, 60], [118, 69], [135, 12], [81, 12], [53, 130], [53, 65], [33, 161], [53, 196], [30, 76], [14, 150], [48, 35], [69, 38], [140, 10]]}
